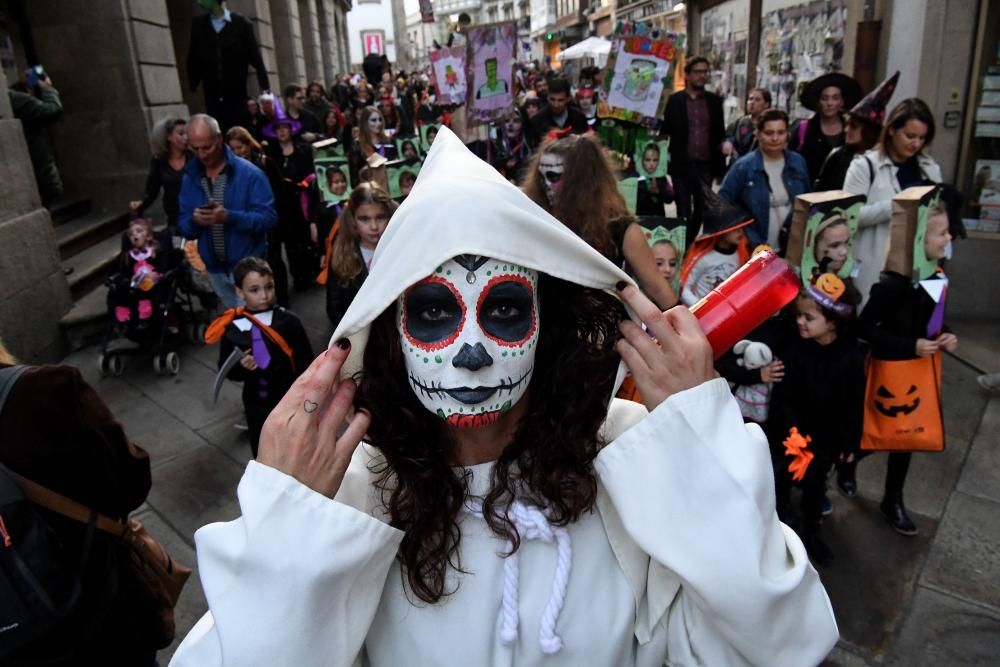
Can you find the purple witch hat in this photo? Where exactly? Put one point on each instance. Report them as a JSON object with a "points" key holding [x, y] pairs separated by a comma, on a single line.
{"points": [[872, 107], [280, 118]]}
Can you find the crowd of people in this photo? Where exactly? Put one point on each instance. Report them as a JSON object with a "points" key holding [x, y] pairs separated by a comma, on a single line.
{"points": [[480, 333]]}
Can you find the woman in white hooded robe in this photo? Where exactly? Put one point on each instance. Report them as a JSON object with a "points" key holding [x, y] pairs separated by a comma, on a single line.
{"points": [[675, 555]]}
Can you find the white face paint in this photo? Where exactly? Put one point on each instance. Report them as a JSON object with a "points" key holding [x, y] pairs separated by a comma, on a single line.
{"points": [[551, 169], [469, 333], [375, 124]]}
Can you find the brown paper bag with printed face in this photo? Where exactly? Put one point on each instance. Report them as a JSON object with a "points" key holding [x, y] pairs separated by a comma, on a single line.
{"points": [[808, 214], [903, 228], [377, 170]]}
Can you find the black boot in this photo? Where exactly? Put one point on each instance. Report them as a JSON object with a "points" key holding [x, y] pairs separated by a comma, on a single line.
{"points": [[847, 484], [896, 515]]}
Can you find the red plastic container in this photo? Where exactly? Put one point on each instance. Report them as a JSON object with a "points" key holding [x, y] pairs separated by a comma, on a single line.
{"points": [[759, 289]]}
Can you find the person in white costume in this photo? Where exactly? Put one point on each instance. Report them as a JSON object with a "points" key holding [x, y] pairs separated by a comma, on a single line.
{"points": [[468, 528]]}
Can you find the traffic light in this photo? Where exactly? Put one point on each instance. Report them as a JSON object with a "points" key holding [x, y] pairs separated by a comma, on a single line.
{"points": [[549, 35]]}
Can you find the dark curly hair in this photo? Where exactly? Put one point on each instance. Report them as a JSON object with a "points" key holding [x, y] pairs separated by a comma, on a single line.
{"points": [[549, 461]]}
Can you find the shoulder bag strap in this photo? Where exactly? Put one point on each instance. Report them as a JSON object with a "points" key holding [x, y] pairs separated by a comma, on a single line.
{"points": [[67, 507]]}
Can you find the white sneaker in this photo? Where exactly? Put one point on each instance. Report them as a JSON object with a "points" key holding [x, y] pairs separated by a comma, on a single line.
{"points": [[990, 382]]}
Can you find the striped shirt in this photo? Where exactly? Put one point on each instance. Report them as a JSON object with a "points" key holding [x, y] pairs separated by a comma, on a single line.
{"points": [[216, 192]]}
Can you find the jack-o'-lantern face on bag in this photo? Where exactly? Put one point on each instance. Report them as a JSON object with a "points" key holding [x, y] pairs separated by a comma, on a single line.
{"points": [[901, 403], [469, 333]]}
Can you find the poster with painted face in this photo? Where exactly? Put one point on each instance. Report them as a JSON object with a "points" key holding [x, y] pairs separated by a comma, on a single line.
{"points": [[469, 333], [449, 74], [408, 148], [629, 189], [829, 234], [333, 178], [490, 57], [666, 239], [639, 78], [427, 134], [401, 177], [651, 158]]}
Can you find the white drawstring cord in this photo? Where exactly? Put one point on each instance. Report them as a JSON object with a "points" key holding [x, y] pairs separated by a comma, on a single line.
{"points": [[532, 524]]}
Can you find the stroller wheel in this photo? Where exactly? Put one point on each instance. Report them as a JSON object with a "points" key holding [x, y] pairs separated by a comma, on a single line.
{"points": [[117, 364], [171, 363], [102, 365], [200, 331], [157, 365]]}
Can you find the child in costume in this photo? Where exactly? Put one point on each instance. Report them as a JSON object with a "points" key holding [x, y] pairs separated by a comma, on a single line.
{"points": [[718, 252], [484, 524], [821, 396], [274, 346], [139, 269], [654, 192], [903, 320], [833, 242], [352, 246]]}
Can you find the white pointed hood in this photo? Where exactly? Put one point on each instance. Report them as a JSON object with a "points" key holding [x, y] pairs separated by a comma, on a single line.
{"points": [[461, 205]]}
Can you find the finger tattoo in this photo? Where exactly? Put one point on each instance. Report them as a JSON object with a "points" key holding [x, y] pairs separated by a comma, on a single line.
{"points": [[309, 406]]}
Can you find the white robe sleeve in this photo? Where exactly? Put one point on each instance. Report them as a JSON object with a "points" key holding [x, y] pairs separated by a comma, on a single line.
{"points": [[296, 580], [694, 488]]}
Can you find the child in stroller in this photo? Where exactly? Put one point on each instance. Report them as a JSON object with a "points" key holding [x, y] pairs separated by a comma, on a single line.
{"points": [[147, 301]]}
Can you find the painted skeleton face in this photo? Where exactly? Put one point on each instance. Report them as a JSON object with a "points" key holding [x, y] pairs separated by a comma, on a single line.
{"points": [[469, 333], [375, 123], [551, 168]]}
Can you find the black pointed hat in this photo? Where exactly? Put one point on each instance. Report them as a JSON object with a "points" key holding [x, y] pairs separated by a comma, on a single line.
{"points": [[719, 216], [872, 107], [850, 90]]}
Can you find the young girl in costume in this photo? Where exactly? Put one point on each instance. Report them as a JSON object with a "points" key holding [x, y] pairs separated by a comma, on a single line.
{"points": [[821, 397], [274, 346], [718, 252], [903, 321], [483, 523], [138, 271], [352, 246], [833, 242], [572, 179]]}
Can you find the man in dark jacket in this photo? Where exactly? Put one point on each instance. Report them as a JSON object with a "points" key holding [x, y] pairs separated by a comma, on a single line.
{"points": [[223, 47], [226, 204], [694, 122], [37, 109], [559, 114]]}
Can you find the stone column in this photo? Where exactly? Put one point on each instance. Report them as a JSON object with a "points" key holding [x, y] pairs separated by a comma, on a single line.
{"points": [[33, 290], [287, 43], [309, 21], [329, 41]]}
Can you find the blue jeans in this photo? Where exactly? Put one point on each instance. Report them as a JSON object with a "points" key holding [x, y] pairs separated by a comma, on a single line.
{"points": [[225, 289]]}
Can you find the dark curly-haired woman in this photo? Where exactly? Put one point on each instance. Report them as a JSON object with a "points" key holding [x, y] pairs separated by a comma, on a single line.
{"points": [[504, 510]]}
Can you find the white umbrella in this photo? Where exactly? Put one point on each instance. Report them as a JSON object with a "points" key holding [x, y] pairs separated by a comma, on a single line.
{"points": [[592, 47]]}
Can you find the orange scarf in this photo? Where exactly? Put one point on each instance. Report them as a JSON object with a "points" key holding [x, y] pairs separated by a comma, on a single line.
{"points": [[324, 275], [217, 328]]}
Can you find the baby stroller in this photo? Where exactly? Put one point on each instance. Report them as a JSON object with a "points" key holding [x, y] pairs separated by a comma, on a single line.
{"points": [[160, 316]]}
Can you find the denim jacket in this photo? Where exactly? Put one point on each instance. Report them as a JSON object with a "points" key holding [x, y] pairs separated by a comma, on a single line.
{"points": [[746, 185]]}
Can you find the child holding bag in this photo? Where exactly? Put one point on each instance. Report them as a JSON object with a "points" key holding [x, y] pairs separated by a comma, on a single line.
{"points": [[903, 321]]}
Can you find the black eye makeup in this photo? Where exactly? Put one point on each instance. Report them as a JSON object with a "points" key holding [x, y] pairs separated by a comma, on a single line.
{"points": [[552, 176], [432, 315], [506, 311]]}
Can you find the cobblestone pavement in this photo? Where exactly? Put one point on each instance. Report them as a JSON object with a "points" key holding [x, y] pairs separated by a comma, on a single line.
{"points": [[929, 600]]}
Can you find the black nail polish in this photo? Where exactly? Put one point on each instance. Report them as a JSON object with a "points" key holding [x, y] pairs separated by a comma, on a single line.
{"points": [[343, 344], [621, 285]]}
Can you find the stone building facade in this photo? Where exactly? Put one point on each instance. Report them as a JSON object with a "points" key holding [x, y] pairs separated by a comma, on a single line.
{"points": [[119, 66]]}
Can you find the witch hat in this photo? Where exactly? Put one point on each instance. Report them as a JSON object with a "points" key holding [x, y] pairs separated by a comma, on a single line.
{"points": [[280, 118], [719, 216], [850, 90], [872, 107]]}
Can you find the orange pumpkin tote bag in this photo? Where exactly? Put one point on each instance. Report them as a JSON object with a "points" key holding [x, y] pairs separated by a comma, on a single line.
{"points": [[903, 406]]}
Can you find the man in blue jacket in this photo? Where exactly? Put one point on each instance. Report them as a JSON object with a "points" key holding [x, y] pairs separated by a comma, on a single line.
{"points": [[226, 204]]}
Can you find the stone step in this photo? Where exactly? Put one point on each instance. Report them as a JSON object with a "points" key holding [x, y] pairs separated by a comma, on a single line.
{"points": [[86, 321], [75, 236], [91, 267], [69, 209]]}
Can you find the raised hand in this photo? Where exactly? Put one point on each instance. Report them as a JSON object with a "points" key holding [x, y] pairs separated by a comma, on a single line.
{"points": [[683, 358], [299, 437]]}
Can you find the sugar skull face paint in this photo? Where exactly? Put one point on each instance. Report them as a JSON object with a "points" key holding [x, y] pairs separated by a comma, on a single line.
{"points": [[469, 333], [551, 168]]}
